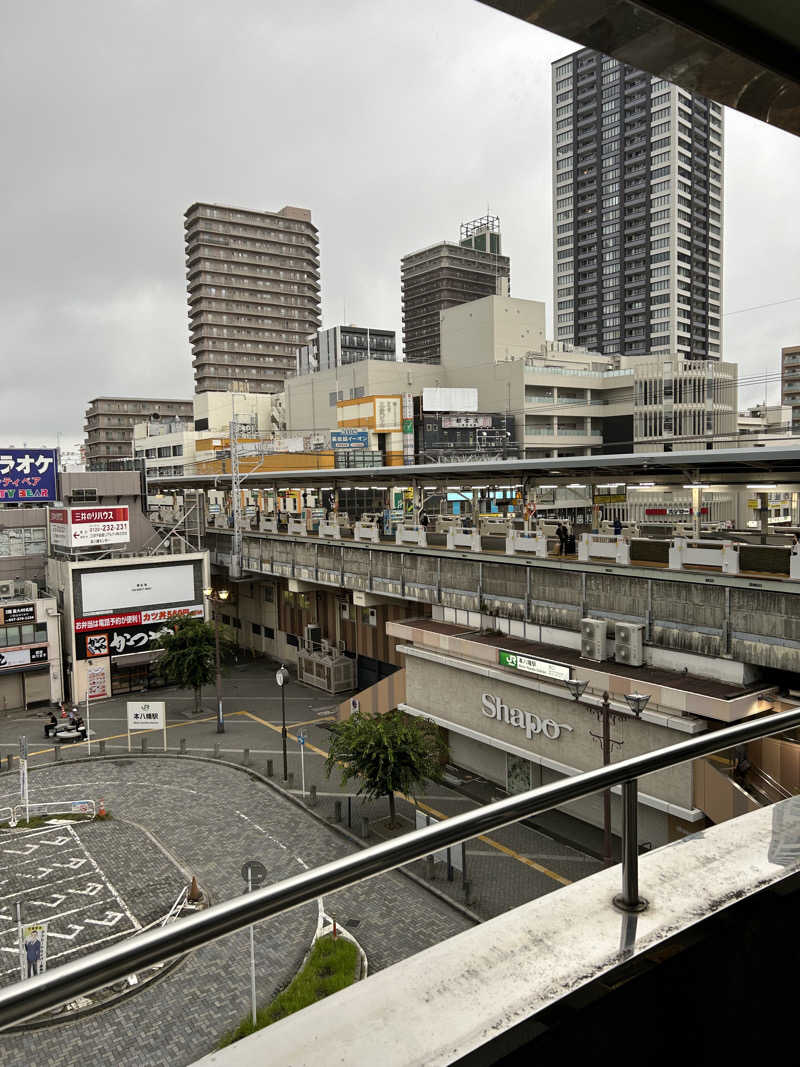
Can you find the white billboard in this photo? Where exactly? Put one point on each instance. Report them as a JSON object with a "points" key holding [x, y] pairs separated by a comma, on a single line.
{"points": [[136, 587], [436, 399]]}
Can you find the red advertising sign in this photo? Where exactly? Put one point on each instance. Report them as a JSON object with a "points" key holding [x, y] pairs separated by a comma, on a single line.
{"points": [[136, 618], [84, 515]]}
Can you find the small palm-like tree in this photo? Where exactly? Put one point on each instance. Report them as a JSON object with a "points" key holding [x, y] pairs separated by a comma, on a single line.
{"points": [[387, 753], [188, 656]]}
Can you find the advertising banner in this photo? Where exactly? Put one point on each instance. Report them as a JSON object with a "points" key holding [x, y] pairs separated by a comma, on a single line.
{"points": [[32, 950], [21, 657], [28, 474], [89, 527], [349, 438], [14, 613], [96, 681], [118, 641], [104, 592], [134, 618]]}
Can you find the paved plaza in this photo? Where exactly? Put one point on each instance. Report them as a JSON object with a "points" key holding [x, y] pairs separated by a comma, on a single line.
{"points": [[204, 819], [176, 817]]}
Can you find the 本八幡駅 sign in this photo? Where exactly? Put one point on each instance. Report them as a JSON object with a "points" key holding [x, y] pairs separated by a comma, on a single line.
{"points": [[517, 662], [146, 714], [28, 474], [89, 527]]}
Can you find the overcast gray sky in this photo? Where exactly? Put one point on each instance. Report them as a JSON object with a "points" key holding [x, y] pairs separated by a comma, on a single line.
{"points": [[392, 120]]}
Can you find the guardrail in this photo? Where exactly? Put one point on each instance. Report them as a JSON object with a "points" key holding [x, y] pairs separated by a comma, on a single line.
{"points": [[90, 972], [55, 807]]}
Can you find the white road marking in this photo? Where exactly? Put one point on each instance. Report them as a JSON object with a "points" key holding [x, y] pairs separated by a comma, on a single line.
{"points": [[111, 919]]}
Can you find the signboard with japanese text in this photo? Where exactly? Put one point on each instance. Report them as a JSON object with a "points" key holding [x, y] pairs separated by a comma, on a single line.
{"points": [[91, 527], [349, 438], [97, 686], [118, 641], [28, 475], [107, 591], [134, 618], [22, 657], [146, 714], [15, 613], [32, 949], [518, 662], [387, 413], [466, 422]]}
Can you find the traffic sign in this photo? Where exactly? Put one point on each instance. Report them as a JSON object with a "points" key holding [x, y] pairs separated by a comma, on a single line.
{"points": [[254, 872], [301, 738]]}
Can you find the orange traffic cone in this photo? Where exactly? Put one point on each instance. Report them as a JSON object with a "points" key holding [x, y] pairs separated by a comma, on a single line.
{"points": [[63, 713], [101, 811]]}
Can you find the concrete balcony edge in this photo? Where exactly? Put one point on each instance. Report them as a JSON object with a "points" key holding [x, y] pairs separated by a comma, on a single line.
{"points": [[442, 1004]]}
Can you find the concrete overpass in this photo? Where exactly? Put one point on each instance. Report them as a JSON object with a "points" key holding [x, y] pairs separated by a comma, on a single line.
{"points": [[737, 52]]}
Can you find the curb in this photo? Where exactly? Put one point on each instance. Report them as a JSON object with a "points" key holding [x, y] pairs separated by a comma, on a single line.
{"points": [[340, 830]]}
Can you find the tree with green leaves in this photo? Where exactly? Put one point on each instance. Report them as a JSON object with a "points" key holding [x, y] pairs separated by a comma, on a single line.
{"points": [[387, 753], [188, 658]]}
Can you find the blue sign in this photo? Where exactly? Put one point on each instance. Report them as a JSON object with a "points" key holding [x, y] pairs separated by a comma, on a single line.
{"points": [[349, 438], [301, 738], [28, 475]]}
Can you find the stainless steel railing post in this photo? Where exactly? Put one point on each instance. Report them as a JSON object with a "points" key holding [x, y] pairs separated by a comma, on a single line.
{"points": [[629, 899]]}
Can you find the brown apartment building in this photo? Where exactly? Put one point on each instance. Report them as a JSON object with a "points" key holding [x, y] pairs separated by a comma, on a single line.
{"points": [[254, 296]]}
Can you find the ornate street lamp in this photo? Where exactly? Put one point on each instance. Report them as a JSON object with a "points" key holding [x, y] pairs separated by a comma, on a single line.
{"points": [[220, 596], [282, 678]]}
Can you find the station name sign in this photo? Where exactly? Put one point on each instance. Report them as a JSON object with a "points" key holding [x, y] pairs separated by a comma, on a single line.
{"points": [[516, 662], [494, 708]]}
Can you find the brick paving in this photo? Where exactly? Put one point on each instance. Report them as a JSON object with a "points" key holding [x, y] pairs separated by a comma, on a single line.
{"points": [[210, 818]]}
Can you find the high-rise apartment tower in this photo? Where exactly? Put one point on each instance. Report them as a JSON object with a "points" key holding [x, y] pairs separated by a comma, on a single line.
{"points": [[637, 211], [445, 275], [253, 282]]}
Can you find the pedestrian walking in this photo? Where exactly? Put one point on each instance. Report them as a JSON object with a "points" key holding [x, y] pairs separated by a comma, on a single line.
{"points": [[561, 532], [617, 527]]}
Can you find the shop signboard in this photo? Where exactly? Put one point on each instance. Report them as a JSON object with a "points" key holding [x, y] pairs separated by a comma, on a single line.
{"points": [[90, 527], [530, 665], [118, 641], [134, 618], [22, 657], [349, 438], [12, 614], [28, 474]]}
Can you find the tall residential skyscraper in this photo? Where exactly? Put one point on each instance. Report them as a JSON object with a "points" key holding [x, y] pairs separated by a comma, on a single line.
{"points": [[253, 281], [637, 211], [790, 382], [445, 275]]}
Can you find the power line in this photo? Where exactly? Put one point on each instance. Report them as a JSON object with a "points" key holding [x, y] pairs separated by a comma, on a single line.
{"points": [[757, 307]]}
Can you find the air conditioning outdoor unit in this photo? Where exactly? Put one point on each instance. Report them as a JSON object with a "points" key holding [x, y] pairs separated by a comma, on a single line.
{"points": [[593, 640], [6, 589], [31, 591], [629, 643]]}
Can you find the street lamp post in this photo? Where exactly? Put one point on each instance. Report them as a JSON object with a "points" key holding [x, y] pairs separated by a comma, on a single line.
{"points": [[282, 677], [637, 703], [220, 596]]}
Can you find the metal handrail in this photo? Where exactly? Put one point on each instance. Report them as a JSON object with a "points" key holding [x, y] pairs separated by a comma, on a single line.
{"points": [[93, 971]]}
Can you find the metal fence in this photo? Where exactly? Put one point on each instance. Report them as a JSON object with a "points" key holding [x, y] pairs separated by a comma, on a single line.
{"points": [[91, 972]]}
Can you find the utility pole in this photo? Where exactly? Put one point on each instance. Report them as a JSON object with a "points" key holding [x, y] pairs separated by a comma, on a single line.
{"points": [[235, 568]]}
